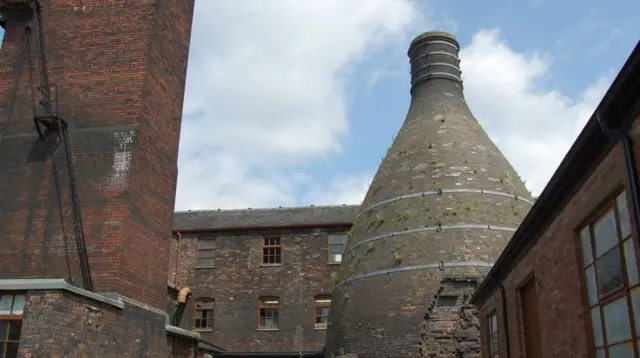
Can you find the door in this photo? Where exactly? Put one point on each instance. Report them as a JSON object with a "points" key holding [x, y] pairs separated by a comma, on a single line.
{"points": [[530, 321]]}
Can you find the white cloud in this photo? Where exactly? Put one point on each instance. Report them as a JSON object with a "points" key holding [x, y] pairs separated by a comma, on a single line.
{"points": [[534, 126], [265, 92], [266, 97], [342, 190]]}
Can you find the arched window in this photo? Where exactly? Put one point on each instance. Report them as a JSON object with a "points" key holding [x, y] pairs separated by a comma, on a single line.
{"points": [[321, 311], [203, 317], [269, 313]]}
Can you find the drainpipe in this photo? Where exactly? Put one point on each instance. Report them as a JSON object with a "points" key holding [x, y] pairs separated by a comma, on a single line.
{"points": [[505, 317], [177, 257], [630, 164]]}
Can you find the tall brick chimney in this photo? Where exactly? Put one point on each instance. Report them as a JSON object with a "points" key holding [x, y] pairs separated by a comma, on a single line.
{"points": [[119, 68], [440, 209]]}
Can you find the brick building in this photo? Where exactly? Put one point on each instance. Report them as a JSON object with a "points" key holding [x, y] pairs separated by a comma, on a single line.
{"points": [[261, 278], [566, 285], [90, 107]]}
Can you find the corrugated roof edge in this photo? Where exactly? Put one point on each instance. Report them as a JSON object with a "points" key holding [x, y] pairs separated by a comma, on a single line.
{"points": [[581, 159]]}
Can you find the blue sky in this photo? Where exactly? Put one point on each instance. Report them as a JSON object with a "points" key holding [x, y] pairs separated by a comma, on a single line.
{"points": [[294, 103], [299, 100]]}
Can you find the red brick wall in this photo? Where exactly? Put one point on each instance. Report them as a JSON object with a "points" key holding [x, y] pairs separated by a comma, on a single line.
{"points": [[180, 347], [120, 67], [238, 280], [61, 324], [563, 315]]}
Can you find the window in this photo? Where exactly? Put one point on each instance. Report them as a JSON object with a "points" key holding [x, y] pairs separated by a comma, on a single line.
{"points": [[206, 253], [271, 250], [269, 313], [336, 247], [492, 334], [610, 266], [322, 305], [11, 309], [203, 319]]}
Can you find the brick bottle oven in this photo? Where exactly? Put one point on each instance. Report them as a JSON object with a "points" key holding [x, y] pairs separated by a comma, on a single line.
{"points": [[119, 71], [441, 207]]}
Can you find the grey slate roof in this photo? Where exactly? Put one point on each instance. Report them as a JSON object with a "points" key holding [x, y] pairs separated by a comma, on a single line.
{"points": [[267, 217]]}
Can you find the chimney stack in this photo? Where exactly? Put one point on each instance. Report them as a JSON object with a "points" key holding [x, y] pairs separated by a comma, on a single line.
{"points": [[439, 211]]}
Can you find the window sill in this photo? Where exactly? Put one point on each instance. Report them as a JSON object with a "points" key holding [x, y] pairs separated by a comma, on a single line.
{"points": [[268, 329], [334, 263], [270, 265], [204, 267], [319, 328], [203, 329]]}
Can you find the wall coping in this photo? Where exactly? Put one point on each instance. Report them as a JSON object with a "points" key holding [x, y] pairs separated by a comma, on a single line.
{"points": [[33, 284], [183, 332]]}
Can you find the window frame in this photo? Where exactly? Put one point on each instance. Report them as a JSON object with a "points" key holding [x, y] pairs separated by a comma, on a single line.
{"points": [[200, 249], [317, 305], [210, 320], [263, 306], [330, 260], [610, 205], [265, 245], [493, 334], [12, 317]]}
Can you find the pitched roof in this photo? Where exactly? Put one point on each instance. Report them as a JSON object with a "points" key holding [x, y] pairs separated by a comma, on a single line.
{"points": [[267, 217], [619, 108]]}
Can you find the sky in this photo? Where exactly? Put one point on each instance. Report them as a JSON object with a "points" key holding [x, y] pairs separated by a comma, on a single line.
{"points": [[294, 103]]}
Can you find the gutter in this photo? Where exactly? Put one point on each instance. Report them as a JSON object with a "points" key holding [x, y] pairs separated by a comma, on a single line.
{"points": [[630, 166]]}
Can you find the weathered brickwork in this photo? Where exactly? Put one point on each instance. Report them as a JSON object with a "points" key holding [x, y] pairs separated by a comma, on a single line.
{"points": [[451, 325], [554, 261], [238, 280], [180, 348], [120, 88], [61, 324]]}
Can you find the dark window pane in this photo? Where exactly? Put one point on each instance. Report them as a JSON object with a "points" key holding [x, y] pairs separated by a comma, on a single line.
{"points": [[4, 329], [12, 350], [609, 272], [14, 330]]}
